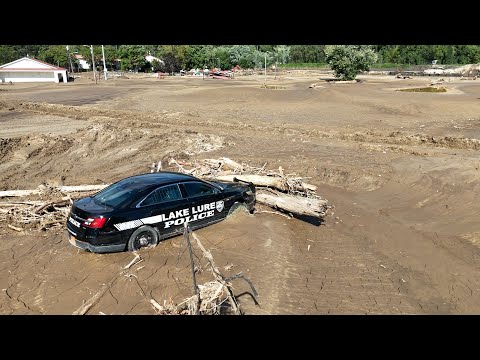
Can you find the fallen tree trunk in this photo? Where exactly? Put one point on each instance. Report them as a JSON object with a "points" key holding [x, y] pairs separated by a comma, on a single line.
{"points": [[80, 188], [271, 181], [294, 204], [229, 163], [8, 193]]}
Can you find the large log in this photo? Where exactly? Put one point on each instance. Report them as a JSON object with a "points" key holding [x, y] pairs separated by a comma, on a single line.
{"points": [[80, 188], [271, 181], [229, 163], [9, 193], [294, 204]]}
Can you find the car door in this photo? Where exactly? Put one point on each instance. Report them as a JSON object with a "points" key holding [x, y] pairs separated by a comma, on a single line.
{"points": [[206, 202], [168, 209]]}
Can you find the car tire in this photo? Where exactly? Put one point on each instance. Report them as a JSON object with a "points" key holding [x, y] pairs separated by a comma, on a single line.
{"points": [[236, 208], [144, 236]]}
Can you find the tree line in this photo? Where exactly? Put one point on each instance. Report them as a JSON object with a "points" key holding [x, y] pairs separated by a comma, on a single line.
{"points": [[177, 57]]}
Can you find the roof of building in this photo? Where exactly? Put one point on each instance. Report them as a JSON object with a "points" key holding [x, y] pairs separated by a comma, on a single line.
{"points": [[29, 64]]}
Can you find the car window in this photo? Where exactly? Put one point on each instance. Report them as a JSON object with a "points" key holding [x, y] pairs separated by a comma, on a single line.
{"points": [[115, 196], [194, 189], [119, 193], [163, 194]]}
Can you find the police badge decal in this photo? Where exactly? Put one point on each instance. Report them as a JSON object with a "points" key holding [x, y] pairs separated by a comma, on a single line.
{"points": [[219, 206]]}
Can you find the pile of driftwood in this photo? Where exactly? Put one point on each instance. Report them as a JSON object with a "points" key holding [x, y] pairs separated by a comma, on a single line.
{"points": [[50, 207], [276, 189], [215, 297], [51, 204]]}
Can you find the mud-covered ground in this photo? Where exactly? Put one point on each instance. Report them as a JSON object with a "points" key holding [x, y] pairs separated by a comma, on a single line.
{"points": [[402, 170]]}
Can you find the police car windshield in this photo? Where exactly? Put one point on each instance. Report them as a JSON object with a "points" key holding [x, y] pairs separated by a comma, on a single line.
{"points": [[119, 193]]}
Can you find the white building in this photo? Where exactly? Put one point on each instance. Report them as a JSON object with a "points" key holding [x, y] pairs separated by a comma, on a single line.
{"points": [[82, 62], [150, 59], [32, 70]]}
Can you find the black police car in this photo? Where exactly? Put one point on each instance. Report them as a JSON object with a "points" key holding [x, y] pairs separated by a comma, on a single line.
{"points": [[141, 210]]}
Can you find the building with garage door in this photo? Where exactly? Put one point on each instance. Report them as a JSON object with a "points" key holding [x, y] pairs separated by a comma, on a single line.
{"points": [[32, 70]]}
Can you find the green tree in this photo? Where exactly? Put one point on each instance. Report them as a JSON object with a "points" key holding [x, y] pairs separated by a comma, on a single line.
{"points": [[55, 55], [171, 63], [157, 65], [307, 53], [242, 55], [467, 54], [132, 57], [347, 61], [197, 56], [222, 57], [7, 54], [282, 54], [85, 51], [174, 55]]}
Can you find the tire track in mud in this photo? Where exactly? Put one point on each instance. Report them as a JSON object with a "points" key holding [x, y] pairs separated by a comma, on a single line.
{"points": [[335, 275], [160, 119]]}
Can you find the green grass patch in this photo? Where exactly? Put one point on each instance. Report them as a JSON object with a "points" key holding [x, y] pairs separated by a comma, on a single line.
{"points": [[389, 66], [304, 66], [426, 90]]}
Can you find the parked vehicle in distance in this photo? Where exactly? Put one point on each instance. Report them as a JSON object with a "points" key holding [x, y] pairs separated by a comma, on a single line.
{"points": [[141, 210]]}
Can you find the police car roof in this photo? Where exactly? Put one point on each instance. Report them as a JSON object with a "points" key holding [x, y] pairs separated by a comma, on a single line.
{"points": [[159, 178]]}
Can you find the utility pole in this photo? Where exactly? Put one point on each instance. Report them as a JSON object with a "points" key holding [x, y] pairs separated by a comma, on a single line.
{"points": [[93, 64], [69, 59], [265, 67], [104, 65]]}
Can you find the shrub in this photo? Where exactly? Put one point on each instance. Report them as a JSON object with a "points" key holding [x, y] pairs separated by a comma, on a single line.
{"points": [[347, 61]]}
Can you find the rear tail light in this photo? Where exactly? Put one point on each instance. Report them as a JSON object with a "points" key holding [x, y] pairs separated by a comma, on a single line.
{"points": [[95, 223]]}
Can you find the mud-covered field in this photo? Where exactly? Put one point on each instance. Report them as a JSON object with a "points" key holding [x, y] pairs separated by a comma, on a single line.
{"points": [[401, 169]]}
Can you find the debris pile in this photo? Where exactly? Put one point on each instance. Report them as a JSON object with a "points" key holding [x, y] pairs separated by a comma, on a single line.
{"points": [[276, 189], [50, 206], [214, 297]]}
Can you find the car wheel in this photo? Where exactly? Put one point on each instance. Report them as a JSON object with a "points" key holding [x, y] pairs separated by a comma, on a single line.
{"points": [[144, 236], [236, 208]]}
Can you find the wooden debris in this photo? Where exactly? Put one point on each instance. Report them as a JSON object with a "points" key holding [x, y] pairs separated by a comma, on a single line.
{"points": [[437, 82], [82, 310], [288, 192], [270, 181], [209, 298], [298, 189], [233, 165], [8, 193], [294, 204], [134, 261], [81, 188], [14, 227], [156, 305]]}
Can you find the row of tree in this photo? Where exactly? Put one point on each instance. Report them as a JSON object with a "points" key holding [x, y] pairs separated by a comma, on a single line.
{"points": [[132, 57], [177, 57]]}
